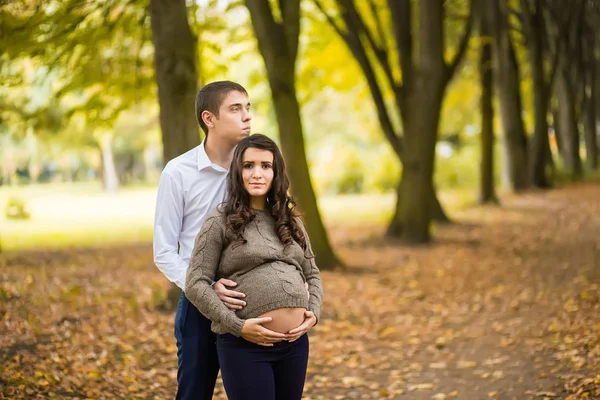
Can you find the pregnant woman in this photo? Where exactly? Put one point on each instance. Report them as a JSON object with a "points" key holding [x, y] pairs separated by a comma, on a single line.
{"points": [[256, 240]]}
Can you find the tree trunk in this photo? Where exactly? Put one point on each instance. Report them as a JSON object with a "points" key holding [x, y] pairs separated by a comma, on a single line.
{"points": [[487, 192], [589, 108], [110, 179], [278, 43], [394, 229], [540, 147], [589, 126], [175, 63], [555, 125], [176, 78], [437, 211], [417, 172], [596, 91], [421, 119], [509, 96], [567, 123]]}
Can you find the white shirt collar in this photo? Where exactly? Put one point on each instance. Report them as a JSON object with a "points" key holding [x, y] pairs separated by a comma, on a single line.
{"points": [[203, 160]]}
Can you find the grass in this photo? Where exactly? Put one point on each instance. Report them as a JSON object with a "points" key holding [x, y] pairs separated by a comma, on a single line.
{"points": [[83, 215], [65, 215]]}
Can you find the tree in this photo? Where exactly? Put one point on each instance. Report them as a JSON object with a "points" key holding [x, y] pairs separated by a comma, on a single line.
{"points": [[589, 61], [176, 77], [568, 86], [278, 45], [508, 78], [539, 42], [425, 75], [93, 60], [487, 193]]}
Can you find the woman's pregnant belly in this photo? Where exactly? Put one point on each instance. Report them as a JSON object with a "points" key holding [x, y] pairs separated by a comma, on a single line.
{"points": [[280, 294], [284, 319]]}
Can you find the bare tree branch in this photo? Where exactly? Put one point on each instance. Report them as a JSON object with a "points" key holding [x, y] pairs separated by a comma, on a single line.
{"points": [[353, 19], [330, 20], [262, 17], [402, 26], [463, 45], [379, 24], [290, 12]]}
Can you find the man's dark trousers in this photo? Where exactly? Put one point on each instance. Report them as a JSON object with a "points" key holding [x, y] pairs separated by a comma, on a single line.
{"points": [[198, 364]]}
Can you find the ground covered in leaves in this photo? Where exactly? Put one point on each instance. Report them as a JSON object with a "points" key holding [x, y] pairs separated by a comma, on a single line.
{"points": [[504, 305]]}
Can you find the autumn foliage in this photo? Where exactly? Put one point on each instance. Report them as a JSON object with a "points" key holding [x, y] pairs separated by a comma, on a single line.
{"points": [[504, 305]]}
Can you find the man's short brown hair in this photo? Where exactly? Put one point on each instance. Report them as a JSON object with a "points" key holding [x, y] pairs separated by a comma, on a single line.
{"points": [[210, 97]]}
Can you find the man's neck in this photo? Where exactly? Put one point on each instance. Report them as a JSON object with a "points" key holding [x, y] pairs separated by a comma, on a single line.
{"points": [[218, 152]]}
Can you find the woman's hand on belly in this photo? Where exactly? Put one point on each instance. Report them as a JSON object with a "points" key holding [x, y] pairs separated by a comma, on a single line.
{"points": [[309, 321], [255, 331]]}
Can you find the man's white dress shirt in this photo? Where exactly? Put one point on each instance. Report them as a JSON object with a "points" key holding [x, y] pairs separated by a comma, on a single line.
{"points": [[190, 188]]}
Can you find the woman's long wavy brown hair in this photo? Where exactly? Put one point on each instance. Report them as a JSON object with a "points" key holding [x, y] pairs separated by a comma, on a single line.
{"points": [[280, 204]]}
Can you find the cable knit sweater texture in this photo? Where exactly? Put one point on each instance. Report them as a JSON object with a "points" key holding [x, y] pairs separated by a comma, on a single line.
{"points": [[270, 274]]}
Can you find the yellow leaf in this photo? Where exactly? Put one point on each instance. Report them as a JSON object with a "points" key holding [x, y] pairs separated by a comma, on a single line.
{"points": [[414, 340], [553, 328], [421, 386], [466, 364], [439, 365], [570, 306], [440, 342], [568, 339], [387, 331]]}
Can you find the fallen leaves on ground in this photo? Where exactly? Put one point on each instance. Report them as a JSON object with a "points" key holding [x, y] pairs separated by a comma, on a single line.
{"points": [[504, 305]]}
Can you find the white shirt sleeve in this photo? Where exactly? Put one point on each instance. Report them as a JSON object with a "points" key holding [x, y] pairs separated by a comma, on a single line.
{"points": [[168, 220]]}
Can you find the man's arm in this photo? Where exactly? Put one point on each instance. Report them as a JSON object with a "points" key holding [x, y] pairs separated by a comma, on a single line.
{"points": [[168, 219]]}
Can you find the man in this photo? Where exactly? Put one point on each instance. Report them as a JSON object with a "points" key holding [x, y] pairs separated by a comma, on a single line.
{"points": [[191, 187]]}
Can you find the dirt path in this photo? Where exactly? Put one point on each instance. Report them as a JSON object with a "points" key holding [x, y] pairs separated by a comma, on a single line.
{"points": [[504, 305]]}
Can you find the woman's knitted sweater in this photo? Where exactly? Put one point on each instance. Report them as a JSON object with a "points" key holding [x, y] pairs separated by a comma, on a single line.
{"points": [[269, 273]]}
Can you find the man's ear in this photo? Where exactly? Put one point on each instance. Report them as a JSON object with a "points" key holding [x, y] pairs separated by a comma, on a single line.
{"points": [[208, 118]]}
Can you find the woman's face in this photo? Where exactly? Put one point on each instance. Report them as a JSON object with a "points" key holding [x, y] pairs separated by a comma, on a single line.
{"points": [[257, 172]]}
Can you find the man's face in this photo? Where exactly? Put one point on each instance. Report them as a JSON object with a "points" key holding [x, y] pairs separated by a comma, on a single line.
{"points": [[233, 122]]}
